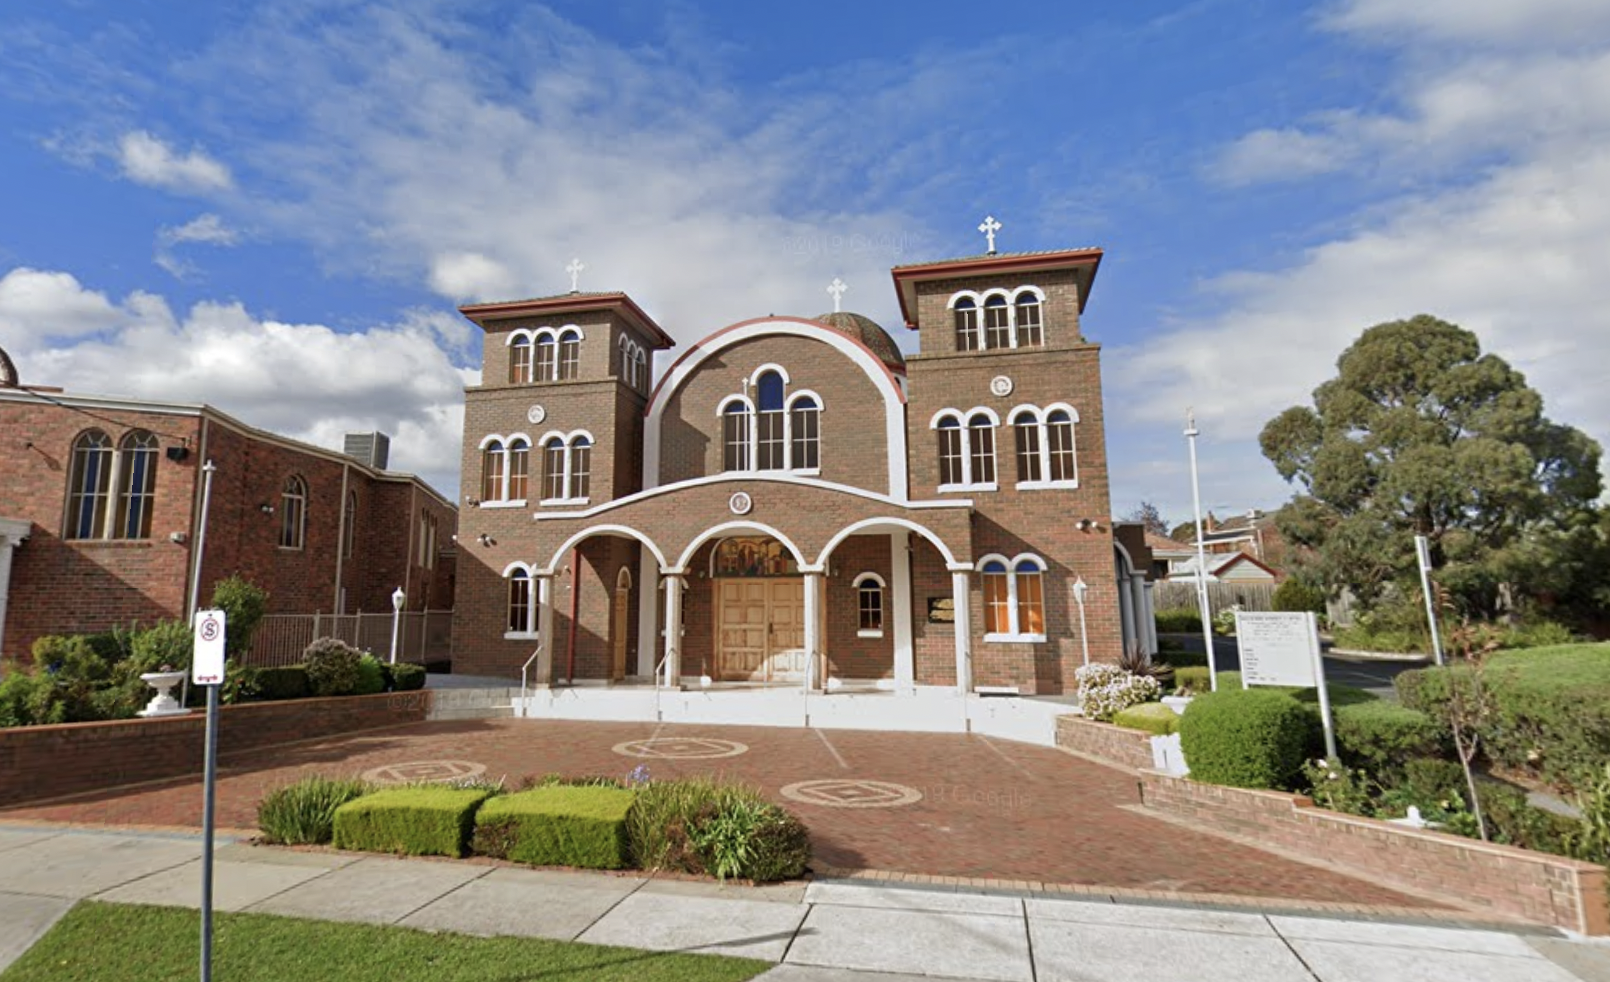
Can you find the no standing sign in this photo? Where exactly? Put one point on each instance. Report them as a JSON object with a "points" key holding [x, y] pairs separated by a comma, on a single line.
{"points": [[207, 662]]}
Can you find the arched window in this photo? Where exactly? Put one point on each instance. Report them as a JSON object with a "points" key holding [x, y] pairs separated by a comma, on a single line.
{"points": [[519, 468], [546, 349], [997, 323], [869, 604], [581, 466], [522, 610], [136, 485], [493, 461], [966, 325], [735, 436], [520, 359], [569, 354], [293, 513], [981, 449], [805, 421], [1027, 314], [553, 469], [770, 450], [1059, 439], [349, 533], [952, 460], [1026, 428], [639, 369], [1014, 598], [89, 489]]}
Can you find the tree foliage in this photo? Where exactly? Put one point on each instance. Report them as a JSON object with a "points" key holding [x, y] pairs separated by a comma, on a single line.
{"points": [[1149, 515], [1420, 433]]}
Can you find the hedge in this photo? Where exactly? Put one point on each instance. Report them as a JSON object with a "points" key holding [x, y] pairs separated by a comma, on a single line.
{"points": [[1379, 736], [1178, 622], [1153, 717], [422, 821], [557, 826], [1248, 738], [406, 676], [1552, 708], [283, 682]]}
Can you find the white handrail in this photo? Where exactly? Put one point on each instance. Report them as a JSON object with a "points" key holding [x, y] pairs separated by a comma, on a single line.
{"points": [[523, 669]]}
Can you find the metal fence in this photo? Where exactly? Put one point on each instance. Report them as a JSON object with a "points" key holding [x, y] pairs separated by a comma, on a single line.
{"points": [[1182, 596], [422, 635]]}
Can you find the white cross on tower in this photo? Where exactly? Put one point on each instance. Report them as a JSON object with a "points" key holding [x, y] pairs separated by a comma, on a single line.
{"points": [[989, 228], [574, 269], [837, 288]]}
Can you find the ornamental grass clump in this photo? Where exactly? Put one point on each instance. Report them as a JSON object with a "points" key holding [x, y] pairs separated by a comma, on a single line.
{"points": [[1104, 690], [699, 825], [304, 813]]}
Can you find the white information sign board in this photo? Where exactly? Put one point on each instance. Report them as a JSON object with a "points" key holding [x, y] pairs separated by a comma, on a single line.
{"points": [[1277, 649], [207, 661]]}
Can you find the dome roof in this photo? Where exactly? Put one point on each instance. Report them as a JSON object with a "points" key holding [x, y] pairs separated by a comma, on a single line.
{"points": [[866, 331]]}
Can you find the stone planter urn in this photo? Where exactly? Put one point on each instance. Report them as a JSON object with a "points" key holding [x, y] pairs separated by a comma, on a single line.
{"points": [[1177, 703], [163, 703]]}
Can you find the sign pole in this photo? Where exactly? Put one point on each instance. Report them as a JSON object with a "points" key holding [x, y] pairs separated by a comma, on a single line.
{"points": [[1321, 686], [1422, 551], [207, 669]]}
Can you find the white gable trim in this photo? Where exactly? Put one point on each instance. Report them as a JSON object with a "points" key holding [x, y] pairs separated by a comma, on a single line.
{"points": [[751, 477]]}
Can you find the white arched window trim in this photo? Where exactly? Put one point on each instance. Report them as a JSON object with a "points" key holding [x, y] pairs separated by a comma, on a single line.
{"points": [[752, 384], [1015, 633], [1041, 416], [533, 602], [864, 581], [569, 480], [969, 483], [505, 450], [1011, 297]]}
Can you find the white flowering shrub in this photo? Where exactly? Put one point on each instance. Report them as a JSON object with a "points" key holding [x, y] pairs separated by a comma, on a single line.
{"points": [[1104, 690]]}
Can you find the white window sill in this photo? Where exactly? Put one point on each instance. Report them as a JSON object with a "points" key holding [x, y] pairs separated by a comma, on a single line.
{"points": [[290, 548], [547, 502], [807, 471], [1014, 638], [519, 635], [1047, 485], [864, 633], [991, 486], [516, 503]]}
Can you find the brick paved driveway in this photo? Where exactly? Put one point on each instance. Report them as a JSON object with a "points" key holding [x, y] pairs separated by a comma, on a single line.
{"points": [[989, 808]]}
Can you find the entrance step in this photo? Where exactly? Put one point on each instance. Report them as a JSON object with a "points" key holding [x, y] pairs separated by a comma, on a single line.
{"points": [[479, 703]]}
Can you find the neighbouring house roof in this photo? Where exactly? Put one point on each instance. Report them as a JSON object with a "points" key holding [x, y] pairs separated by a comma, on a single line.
{"points": [[1218, 566], [1162, 545]]}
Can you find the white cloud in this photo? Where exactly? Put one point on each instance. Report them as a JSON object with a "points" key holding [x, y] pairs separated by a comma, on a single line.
{"points": [[1281, 154], [1502, 22], [207, 229], [306, 381], [147, 160], [471, 276]]}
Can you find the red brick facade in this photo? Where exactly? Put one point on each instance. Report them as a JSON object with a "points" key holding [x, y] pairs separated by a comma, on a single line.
{"points": [[60, 585], [662, 485]]}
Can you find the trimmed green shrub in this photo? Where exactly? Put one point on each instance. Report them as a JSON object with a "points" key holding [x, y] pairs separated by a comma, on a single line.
{"points": [[1379, 736], [283, 682], [1153, 717], [28, 698], [371, 677], [1178, 658], [1295, 595], [417, 821], [406, 676], [1513, 821], [164, 643], [1182, 621], [244, 604], [1193, 678], [557, 826], [304, 813], [332, 667], [1248, 738]]}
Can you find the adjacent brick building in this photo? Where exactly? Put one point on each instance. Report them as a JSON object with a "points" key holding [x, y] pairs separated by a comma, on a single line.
{"points": [[100, 501], [796, 501]]}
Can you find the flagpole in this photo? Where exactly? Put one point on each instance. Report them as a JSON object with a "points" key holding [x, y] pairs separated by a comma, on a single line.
{"points": [[1201, 557]]}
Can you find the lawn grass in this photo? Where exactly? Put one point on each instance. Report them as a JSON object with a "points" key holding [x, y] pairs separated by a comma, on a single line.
{"points": [[98, 942]]}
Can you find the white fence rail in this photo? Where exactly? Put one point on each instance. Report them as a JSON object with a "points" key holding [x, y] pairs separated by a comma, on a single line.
{"points": [[422, 635], [1182, 596]]}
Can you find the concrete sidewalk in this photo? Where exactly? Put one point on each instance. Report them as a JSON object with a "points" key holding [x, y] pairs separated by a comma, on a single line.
{"points": [[823, 932]]}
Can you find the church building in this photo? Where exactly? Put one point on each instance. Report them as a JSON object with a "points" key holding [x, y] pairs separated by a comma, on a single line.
{"points": [[795, 505]]}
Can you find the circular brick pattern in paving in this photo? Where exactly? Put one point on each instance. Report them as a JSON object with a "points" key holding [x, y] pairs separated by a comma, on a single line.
{"points": [[681, 748], [846, 793], [424, 770]]}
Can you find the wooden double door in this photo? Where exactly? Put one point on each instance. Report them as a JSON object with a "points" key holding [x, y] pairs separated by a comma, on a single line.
{"points": [[761, 629]]}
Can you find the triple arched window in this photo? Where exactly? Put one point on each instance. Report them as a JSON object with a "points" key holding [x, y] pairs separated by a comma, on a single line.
{"points": [[999, 318], [1014, 597], [1045, 450], [966, 448], [633, 364], [544, 354], [112, 489], [772, 429], [505, 468]]}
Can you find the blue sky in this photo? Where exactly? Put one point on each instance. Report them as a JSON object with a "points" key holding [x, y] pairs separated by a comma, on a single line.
{"points": [[274, 206]]}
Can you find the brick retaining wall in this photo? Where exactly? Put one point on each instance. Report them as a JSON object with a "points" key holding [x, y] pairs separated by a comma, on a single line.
{"points": [[1505, 880], [42, 762], [1105, 742]]}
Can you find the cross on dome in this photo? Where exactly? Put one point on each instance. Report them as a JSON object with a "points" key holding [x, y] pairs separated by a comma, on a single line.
{"points": [[837, 288], [989, 227], [574, 269]]}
